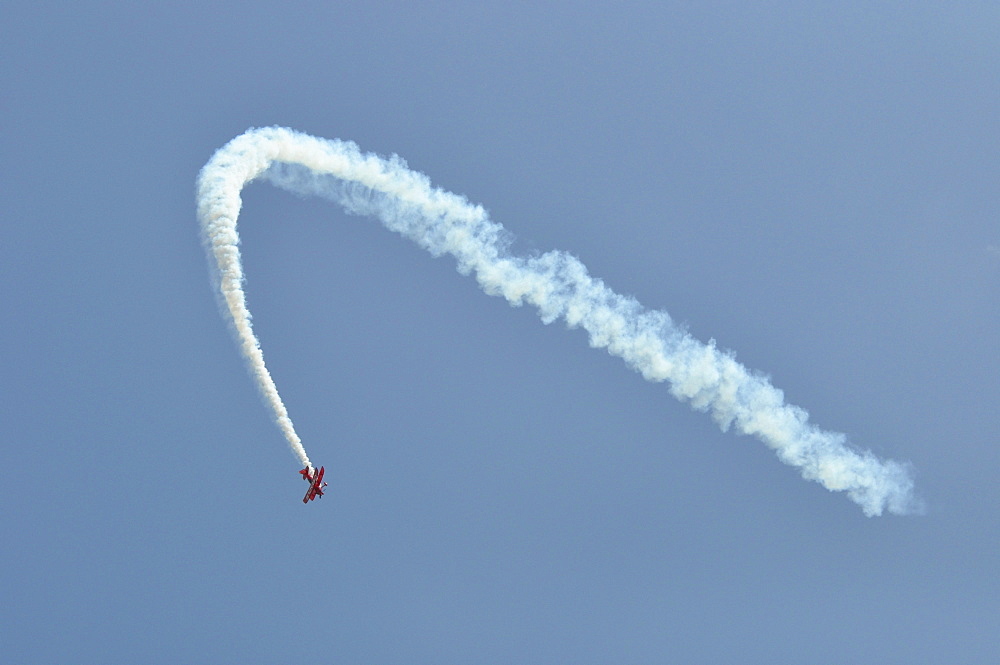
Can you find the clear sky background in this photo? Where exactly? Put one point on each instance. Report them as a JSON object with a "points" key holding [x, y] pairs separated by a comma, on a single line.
{"points": [[816, 188]]}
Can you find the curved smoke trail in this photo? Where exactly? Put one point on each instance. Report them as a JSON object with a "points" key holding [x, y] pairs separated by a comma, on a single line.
{"points": [[555, 282]]}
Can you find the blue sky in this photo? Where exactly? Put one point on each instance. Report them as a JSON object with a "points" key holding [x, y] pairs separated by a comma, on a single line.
{"points": [[813, 188]]}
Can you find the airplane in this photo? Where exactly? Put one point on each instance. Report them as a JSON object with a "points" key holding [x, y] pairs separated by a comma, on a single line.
{"points": [[316, 483]]}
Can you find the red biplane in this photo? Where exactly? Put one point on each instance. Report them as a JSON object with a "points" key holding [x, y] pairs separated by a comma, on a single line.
{"points": [[315, 480]]}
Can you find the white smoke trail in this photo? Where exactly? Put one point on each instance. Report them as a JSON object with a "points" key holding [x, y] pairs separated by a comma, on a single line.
{"points": [[555, 282]]}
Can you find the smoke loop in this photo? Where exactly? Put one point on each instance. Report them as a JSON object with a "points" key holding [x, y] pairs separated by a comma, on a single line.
{"points": [[556, 283]]}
